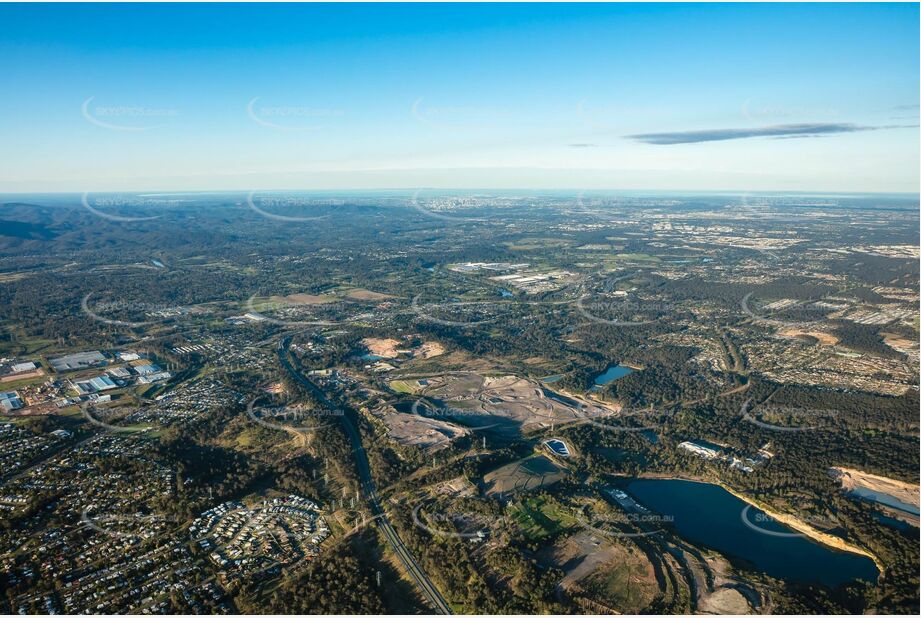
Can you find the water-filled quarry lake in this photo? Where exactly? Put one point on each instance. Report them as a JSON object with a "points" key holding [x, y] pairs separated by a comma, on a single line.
{"points": [[612, 373], [884, 498], [710, 516]]}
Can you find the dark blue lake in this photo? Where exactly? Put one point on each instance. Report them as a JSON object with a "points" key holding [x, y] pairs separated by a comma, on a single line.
{"points": [[708, 515], [612, 373]]}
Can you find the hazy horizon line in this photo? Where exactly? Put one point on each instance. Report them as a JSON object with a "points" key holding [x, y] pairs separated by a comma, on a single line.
{"points": [[411, 190]]}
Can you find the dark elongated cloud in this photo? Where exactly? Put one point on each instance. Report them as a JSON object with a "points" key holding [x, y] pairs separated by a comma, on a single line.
{"points": [[818, 129]]}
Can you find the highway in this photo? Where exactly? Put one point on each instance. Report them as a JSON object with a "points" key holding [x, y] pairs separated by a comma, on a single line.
{"points": [[367, 485]]}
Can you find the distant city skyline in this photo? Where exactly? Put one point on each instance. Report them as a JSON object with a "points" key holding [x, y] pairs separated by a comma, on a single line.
{"points": [[657, 97]]}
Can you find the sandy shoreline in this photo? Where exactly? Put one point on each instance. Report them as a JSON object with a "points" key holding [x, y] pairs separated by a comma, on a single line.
{"points": [[790, 521], [793, 522]]}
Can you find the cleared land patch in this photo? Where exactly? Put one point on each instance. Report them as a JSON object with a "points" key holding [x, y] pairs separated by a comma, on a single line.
{"points": [[523, 475], [306, 299], [362, 294], [822, 337], [428, 434], [385, 348], [614, 576], [850, 479], [510, 402]]}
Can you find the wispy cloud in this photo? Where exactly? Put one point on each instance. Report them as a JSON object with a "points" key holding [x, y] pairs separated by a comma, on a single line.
{"points": [[583, 145], [818, 129]]}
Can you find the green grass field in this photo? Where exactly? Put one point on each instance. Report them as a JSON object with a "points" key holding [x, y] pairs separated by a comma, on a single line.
{"points": [[531, 244], [538, 518], [404, 386], [636, 257]]}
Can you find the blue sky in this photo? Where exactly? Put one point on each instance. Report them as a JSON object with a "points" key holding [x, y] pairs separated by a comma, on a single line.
{"points": [[770, 97]]}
